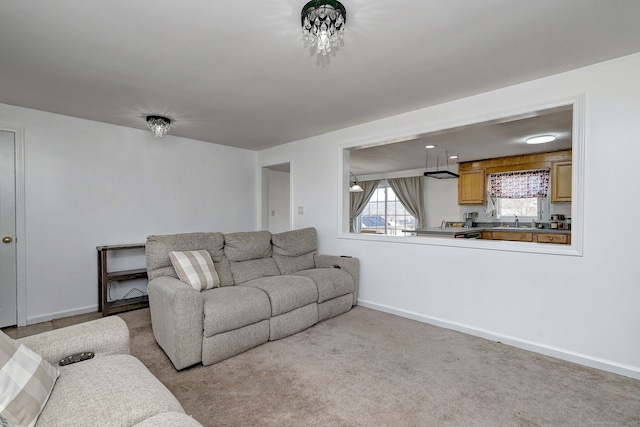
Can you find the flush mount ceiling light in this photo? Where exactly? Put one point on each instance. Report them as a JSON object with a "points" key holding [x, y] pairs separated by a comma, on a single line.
{"points": [[542, 139], [323, 24], [355, 188], [159, 125]]}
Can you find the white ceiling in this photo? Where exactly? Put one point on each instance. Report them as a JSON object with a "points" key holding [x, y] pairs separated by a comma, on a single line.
{"points": [[502, 137], [236, 72]]}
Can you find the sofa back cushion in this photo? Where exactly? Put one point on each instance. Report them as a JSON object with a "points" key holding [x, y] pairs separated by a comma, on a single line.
{"points": [[158, 247], [245, 246], [249, 255], [293, 250]]}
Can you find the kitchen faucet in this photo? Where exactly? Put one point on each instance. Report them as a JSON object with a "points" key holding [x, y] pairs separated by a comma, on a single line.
{"points": [[517, 221]]}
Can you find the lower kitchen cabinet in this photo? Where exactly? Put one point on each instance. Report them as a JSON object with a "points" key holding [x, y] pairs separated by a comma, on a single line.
{"points": [[521, 236], [514, 236], [564, 239]]}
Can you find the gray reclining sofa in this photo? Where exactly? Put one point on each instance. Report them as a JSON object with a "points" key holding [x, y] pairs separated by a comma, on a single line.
{"points": [[271, 286]]}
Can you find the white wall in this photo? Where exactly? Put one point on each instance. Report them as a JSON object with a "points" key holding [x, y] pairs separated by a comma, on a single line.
{"points": [[441, 200], [580, 308], [90, 184]]}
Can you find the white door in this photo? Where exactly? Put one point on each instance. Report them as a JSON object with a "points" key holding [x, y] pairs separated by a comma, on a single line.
{"points": [[276, 198], [8, 278]]}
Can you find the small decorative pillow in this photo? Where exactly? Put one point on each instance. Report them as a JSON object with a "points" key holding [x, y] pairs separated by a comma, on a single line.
{"points": [[195, 268], [26, 381]]}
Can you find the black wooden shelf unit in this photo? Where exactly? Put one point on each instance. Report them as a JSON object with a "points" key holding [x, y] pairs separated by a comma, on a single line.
{"points": [[105, 276]]}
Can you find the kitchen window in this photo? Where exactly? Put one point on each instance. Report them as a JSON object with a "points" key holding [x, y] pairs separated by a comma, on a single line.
{"points": [[522, 193], [525, 208]]}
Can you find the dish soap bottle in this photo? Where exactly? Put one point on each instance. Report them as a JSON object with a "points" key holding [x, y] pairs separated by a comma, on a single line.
{"points": [[533, 223]]}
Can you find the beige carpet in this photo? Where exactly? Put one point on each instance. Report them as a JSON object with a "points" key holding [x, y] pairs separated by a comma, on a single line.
{"points": [[367, 368]]}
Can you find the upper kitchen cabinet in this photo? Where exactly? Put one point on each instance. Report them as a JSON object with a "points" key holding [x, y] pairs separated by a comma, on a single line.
{"points": [[472, 187], [472, 184], [561, 182]]}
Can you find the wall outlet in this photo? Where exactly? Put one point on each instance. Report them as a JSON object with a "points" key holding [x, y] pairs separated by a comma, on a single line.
{"points": [[300, 210]]}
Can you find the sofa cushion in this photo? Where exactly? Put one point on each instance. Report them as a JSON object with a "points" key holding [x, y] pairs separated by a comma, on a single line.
{"points": [[331, 282], [334, 307], [116, 390], [244, 271], [244, 246], [222, 346], [195, 268], [158, 247], [292, 264], [233, 307], [294, 250], [286, 293], [293, 321], [26, 381]]}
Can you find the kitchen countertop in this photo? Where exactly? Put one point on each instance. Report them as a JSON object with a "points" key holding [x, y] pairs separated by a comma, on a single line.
{"points": [[461, 230]]}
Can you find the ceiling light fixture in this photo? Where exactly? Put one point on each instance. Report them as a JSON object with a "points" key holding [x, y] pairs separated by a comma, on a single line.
{"points": [[355, 188], [542, 139], [438, 174], [428, 147], [323, 24], [159, 125]]}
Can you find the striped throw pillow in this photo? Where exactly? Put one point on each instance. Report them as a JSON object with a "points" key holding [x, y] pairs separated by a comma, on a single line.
{"points": [[195, 268], [26, 381]]}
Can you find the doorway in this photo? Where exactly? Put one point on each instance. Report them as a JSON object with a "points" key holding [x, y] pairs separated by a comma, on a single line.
{"points": [[8, 253], [276, 197]]}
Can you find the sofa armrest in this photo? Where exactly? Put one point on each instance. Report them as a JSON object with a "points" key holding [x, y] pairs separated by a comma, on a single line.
{"points": [[176, 319], [348, 264], [108, 335]]}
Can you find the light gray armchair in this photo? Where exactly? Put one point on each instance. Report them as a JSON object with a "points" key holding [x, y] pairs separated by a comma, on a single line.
{"points": [[111, 389]]}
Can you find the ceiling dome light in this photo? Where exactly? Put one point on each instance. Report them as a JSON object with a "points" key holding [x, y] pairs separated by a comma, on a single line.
{"points": [[159, 125], [542, 139], [323, 24]]}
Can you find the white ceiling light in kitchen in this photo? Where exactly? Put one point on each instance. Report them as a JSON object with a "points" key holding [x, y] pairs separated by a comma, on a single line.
{"points": [[542, 139]]}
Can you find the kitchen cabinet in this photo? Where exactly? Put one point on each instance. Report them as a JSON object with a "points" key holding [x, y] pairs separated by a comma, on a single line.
{"points": [[528, 236], [513, 236], [553, 238], [472, 187], [472, 182], [561, 182]]}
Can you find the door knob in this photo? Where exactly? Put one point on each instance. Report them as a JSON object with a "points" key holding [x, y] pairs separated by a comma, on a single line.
{"points": [[7, 240]]}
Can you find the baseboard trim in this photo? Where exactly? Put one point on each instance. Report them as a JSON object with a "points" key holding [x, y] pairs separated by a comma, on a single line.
{"points": [[558, 353], [59, 314]]}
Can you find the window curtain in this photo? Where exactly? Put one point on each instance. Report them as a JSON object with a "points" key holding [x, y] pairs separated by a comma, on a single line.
{"points": [[520, 185], [410, 192], [360, 199]]}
